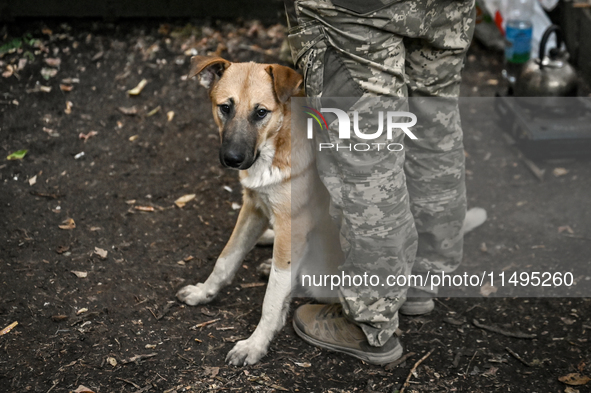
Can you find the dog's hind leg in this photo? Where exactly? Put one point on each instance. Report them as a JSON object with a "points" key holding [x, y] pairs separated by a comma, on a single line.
{"points": [[252, 222], [275, 304]]}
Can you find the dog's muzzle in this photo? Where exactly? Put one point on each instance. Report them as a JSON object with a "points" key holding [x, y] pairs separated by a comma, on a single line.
{"points": [[237, 158]]}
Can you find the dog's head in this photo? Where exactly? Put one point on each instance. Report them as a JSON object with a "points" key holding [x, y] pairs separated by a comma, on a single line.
{"points": [[250, 103]]}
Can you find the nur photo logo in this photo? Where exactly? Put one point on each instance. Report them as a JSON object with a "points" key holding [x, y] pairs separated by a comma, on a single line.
{"points": [[394, 120]]}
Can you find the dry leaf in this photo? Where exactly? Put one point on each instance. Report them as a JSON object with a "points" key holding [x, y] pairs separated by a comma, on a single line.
{"points": [[128, 111], [487, 289], [48, 73], [53, 62], [62, 249], [22, 63], [97, 56], [138, 89], [566, 228], [574, 379], [8, 328], [559, 172], [66, 87], [80, 274], [570, 390], [67, 224], [9, 71], [101, 253], [567, 320], [182, 201], [211, 372]]}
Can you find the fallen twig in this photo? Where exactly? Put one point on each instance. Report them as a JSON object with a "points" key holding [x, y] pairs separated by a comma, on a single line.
{"points": [[516, 356], [137, 358], [40, 194], [202, 324], [470, 362], [396, 363], [498, 330], [413, 369], [253, 284], [135, 385]]}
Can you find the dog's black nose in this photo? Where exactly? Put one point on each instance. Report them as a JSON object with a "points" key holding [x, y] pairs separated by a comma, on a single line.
{"points": [[233, 158]]}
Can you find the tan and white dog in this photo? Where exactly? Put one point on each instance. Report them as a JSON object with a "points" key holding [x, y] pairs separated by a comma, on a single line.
{"points": [[252, 109], [251, 106]]}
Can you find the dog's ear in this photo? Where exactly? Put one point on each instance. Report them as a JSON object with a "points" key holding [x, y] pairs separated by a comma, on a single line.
{"points": [[209, 68], [286, 81]]}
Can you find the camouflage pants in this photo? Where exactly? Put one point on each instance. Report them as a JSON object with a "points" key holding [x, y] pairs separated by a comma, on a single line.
{"points": [[400, 212]]}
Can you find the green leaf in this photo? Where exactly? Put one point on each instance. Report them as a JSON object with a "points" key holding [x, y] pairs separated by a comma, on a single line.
{"points": [[14, 44], [17, 155]]}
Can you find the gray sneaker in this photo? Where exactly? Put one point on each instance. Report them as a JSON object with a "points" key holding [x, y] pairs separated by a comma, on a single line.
{"points": [[325, 326]]}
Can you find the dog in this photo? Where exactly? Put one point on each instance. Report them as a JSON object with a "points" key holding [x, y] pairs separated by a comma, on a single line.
{"points": [[251, 105]]}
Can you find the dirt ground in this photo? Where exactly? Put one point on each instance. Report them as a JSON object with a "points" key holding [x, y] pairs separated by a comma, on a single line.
{"points": [[94, 296]]}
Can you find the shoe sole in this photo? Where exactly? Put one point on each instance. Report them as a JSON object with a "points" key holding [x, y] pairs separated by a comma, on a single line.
{"points": [[417, 308], [379, 360]]}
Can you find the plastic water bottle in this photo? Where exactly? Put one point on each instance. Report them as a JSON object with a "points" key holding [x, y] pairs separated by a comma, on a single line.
{"points": [[518, 37]]}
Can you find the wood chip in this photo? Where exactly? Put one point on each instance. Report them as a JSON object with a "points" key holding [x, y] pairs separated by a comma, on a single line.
{"points": [[138, 89], [129, 111], [69, 106], [68, 224], [144, 208], [182, 201], [101, 253], [8, 328]]}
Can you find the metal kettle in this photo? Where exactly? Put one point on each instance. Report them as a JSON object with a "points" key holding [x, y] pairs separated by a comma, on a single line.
{"points": [[548, 76]]}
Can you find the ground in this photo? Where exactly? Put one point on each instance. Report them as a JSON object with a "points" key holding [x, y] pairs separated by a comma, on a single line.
{"points": [[94, 296]]}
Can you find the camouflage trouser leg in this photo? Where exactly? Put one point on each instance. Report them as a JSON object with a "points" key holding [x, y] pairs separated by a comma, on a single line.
{"points": [[390, 48]]}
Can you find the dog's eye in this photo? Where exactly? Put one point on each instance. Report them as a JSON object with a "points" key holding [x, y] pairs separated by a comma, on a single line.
{"points": [[261, 113], [225, 108]]}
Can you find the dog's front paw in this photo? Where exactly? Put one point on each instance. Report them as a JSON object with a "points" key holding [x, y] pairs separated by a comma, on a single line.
{"points": [[196, 294], [246, 352]]}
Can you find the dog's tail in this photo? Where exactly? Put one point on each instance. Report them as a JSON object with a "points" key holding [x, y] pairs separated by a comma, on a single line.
{"points": [[475, 217]]}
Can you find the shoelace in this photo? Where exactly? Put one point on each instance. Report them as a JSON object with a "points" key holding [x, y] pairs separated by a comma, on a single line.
{"points": [[331, 310]]}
